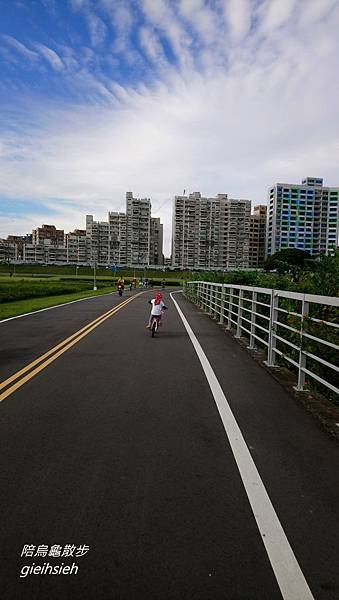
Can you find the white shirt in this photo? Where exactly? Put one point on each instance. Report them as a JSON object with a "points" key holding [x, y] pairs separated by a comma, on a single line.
{"points": [[156, 308]]}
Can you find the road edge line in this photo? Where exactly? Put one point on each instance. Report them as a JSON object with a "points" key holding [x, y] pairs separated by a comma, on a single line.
{"points": [[287, 571]]}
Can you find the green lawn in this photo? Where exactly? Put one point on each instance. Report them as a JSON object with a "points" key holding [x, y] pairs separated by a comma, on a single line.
{"points": [[12, 309]]}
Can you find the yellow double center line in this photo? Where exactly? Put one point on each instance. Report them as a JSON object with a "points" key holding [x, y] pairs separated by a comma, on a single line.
{"points": [[46, 359]]}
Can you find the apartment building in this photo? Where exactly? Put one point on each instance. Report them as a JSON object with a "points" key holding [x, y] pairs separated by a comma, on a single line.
{"points": [[77, 244], [44, 253], [131, 238], [117, 222], [48, 232], [210, 232], [156, 242], [8, 251], [303, 216], [138, 214], [97, 234], [257, 236]]}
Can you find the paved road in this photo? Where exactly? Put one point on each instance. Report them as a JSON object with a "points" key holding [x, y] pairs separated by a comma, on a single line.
{"points": [[118, 445]]}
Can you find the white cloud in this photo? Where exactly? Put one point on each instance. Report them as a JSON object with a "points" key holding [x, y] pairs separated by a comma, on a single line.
{"points": [[264, 109], [50, 56], [238, 17], [97, 29], [21, 48], [276, 13], [151, 45]]}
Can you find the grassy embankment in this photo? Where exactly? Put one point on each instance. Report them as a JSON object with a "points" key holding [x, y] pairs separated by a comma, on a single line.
{"points": [[27, 291], [19, 295]]}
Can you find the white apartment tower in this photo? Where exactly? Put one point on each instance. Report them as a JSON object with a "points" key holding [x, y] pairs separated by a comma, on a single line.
{"points": [[210, 232], [117, 238], [138, 214], [303, 216], [131, 238], [97, 234]]}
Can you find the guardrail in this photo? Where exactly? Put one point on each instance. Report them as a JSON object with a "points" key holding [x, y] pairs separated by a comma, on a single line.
{"points": [[300, 328]]}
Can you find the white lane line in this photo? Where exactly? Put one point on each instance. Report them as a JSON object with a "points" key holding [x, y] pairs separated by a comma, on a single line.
{"points": [[34, 312], [290, 578]]}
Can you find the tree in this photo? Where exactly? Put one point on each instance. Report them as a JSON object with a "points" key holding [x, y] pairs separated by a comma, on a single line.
{"points": [[285, 259]]}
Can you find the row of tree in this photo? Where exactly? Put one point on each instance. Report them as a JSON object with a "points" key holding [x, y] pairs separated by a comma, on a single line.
{"points": [[290, 269]]}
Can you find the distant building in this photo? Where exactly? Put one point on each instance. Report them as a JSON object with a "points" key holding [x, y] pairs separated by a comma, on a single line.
{"points": [[44, 253], [19, 241], [156, 242], [8, 251], [97, 234], [138, 213], [303, 216], [131, 238], [48, 232], [257, 236], [117, 238], [77, 247], [210, 232]]}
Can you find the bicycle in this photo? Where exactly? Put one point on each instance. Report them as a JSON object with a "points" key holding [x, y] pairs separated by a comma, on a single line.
{"points": [[155, 322]]}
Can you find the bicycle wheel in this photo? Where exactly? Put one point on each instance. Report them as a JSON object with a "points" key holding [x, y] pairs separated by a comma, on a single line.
{"points": [[154, 327]]}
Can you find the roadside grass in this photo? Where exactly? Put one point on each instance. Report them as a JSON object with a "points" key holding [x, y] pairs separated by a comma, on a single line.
{"points": [[12, 309]]}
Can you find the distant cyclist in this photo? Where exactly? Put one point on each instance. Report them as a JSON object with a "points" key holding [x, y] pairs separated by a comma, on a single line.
{"points": [[157, 310]]}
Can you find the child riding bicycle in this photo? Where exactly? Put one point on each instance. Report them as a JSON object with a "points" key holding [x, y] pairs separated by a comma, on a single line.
{"points": [[157, 310]]}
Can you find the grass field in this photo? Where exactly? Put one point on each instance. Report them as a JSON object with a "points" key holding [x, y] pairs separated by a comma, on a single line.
{"points": [[20, 307], [27, 292], [47, 270]]}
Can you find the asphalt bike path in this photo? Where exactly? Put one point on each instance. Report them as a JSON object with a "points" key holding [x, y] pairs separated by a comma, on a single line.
{"points": [[24, 338], [297, 461], [118, 445]]}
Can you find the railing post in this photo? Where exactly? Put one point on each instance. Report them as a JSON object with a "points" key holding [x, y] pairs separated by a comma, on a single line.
{"points": [[230, 306], [239, 319], [222, 304], [210, 299], [271, 337], [302, 356], [253, 320]]}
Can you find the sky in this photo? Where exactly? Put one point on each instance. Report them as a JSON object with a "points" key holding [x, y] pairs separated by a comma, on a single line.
{"points": [[101, 97]]}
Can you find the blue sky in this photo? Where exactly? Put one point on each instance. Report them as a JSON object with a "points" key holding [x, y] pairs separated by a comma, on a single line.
{"points": [[100, 97]]}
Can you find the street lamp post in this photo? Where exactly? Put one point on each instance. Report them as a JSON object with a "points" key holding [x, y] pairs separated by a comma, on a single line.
{"points": [[95, 275]]}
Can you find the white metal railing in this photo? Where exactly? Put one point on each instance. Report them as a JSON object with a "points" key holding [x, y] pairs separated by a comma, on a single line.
{"points": [[303, 329]]}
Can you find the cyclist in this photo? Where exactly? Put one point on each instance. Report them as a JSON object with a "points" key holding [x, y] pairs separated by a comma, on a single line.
{"points": [[158, 308]]}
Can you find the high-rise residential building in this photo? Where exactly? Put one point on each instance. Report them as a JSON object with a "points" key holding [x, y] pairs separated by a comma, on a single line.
{"points": [[138, 213], [237, 233], [77, 246], [8, 250], [210, 232], [50, 233], [117, 238], [156, 242], [303, 216], [131, 238], [19, 241], [257, 236], [97, 233]]}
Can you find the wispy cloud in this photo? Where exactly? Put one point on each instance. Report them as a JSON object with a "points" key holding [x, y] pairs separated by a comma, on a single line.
{"points": [[219, 97], [20, 47], [97, 29], [50, 56]]}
